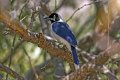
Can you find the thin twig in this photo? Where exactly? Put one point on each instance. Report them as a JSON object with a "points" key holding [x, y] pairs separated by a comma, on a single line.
{"points": [[10, 72], [55, 4], [40, 69], [34, 71], [15, 49], [12, 51], [59, 6], [80, 9], [44, 8], [21, 11], [32, 19]]}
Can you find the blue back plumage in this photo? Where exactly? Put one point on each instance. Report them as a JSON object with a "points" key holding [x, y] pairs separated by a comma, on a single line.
{"points": [[62, 29]]}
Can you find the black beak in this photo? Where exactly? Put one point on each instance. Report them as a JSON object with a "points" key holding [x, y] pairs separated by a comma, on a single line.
{"points": [[46, 18]]}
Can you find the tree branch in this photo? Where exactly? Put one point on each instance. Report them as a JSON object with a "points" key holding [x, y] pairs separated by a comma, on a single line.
{"points": [[38, 39]]}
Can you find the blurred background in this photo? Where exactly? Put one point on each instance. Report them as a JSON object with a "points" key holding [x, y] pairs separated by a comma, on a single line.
{"points": [[95, 23]]}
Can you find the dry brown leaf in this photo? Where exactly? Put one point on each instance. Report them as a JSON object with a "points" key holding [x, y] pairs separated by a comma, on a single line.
{"points": [[106, 14]]}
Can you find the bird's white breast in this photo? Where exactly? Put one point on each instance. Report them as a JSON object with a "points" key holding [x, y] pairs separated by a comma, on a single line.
{"points": [[60, 39]]}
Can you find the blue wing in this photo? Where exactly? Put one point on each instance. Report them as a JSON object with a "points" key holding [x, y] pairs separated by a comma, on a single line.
{"points": [[62, 30]]}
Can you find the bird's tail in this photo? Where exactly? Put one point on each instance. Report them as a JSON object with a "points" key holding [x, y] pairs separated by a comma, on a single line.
{"points": [[75, 57]]}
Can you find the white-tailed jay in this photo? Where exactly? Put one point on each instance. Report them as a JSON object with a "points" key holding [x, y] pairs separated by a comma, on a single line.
{"points": [[60, 31]]}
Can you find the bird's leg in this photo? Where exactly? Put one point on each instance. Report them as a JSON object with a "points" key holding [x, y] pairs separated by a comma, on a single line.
{"points": [[56, 44], [61, 46], [53, 42]]}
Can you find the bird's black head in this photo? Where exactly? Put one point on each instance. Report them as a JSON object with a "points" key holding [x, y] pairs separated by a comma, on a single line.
{"points": [[53, 17]]}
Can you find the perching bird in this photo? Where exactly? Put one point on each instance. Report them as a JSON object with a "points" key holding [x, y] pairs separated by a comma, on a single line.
{"points": [[61, 32]]}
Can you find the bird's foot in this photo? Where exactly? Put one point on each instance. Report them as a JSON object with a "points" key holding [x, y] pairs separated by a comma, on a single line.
{"points": [[65, 48]]}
